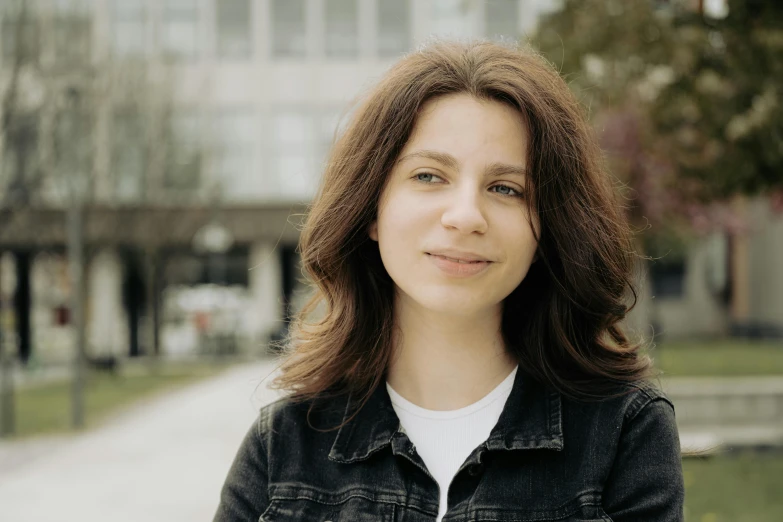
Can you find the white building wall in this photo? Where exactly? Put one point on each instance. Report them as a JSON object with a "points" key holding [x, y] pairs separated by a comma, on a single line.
{"points": [[107, 321], [766, 262], [699, 311], [266, 289]]}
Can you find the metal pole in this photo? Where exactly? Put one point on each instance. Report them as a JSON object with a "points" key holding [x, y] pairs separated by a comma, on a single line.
{"points": [[7, 413], [7, 403], [76, 257]]}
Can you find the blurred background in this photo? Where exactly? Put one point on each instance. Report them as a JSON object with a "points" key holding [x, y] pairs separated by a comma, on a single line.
{"points": [[156, 157]]}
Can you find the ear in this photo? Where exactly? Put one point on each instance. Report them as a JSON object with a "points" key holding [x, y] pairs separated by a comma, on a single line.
{"points": [[372, 231]]}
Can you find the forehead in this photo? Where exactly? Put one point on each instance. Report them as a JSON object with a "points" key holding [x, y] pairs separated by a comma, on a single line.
{"points": [[466, 126]]}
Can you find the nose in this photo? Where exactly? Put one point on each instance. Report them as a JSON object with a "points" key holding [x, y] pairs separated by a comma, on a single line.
{"points": [[464, 211]]}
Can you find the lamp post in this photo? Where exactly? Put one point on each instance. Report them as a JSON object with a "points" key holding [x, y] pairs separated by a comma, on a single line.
{"points": [[7, 351], [213, 239], [76, 188]]}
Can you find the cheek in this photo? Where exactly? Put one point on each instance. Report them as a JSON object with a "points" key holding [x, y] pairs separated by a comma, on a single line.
{"points": [[523, 248], [399, 220]]}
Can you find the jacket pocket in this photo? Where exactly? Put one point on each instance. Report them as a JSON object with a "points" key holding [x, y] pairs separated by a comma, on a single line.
{"points": [[352, 509]]}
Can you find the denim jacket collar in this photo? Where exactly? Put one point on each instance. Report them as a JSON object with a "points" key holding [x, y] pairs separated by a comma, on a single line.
{"points": [[531, 419]]}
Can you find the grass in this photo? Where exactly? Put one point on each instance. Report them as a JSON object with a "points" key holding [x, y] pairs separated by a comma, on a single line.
{"points": [[46, 408], [728, 358], [744, 487]]}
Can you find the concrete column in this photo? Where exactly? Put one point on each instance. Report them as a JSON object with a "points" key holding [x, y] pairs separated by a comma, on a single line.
{"points": [[107, 324], [740, 267], [266, 291], [53, 334]]}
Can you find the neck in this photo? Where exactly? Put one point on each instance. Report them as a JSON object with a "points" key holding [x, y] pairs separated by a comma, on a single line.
{"points": [[446, 362]]}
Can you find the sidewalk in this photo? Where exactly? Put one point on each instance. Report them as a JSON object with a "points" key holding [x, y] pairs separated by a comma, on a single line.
{"points": [[716, 414], [164, 460]]}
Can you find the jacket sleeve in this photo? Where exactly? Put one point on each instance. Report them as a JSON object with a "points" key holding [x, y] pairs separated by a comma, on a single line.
{"points": [[244, 493], [646, 482]]}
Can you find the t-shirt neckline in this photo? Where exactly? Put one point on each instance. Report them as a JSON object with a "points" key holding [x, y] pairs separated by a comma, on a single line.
{"points": [[401, 402]]}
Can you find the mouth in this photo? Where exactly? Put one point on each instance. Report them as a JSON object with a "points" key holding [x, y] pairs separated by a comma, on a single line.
{"points": [[459, 260]]}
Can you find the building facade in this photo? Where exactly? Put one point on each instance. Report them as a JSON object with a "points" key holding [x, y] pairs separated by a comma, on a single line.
{"points": [[258, 92]]}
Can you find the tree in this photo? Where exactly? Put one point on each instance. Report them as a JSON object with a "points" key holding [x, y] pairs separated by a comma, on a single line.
{"points": [[689, 105], [82, 129], [680, 90]]}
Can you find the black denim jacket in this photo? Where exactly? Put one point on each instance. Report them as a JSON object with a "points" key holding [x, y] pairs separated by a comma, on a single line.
{"points": [[548, 458]]}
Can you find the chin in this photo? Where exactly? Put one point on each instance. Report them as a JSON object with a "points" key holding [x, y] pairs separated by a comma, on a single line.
{"points": [[453, 303]]}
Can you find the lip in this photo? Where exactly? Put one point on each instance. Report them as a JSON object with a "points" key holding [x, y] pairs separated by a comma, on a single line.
{"points": [[458, 255], [454, 268]]}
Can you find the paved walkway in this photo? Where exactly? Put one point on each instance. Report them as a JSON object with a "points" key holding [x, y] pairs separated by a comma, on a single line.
{"points": [[164, 460]]}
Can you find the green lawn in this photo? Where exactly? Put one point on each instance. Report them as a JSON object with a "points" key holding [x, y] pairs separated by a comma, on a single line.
{"points": [[734, 488], [719, 358], [47, 408]]}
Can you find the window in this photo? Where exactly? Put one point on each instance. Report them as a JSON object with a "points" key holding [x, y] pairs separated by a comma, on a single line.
{"points": [[129, 34], [331, 124], [20, 156], [544, 7], [19, 25], [184, 152], [73, 30], [180, 28], [289, 38], [342, 28], [128, 155], [73, 148], [295, 151], [393, 27], [501, 19], [233, 28], [668, 277], [454, 18], [234, 166]]}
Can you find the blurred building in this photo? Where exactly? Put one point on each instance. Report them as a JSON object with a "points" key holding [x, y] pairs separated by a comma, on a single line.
{"points": [[259, 89], [193, 247]]}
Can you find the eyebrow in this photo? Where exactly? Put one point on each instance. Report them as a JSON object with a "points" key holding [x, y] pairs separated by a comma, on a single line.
{"points": [[493, 170]]}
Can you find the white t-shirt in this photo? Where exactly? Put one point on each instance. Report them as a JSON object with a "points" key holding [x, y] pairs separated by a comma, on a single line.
{"points": [[444, 439]]}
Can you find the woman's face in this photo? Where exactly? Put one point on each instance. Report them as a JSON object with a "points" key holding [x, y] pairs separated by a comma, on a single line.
{"points": [[452, 225]]}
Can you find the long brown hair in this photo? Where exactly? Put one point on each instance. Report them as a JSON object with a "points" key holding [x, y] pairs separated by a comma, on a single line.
{"points": [[562, 322]]}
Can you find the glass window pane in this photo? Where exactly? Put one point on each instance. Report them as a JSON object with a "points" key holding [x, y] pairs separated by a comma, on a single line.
{"points": [[129, 22], [184, 161], [73, 36], [288, 29], [501, 18], [234, 159], [297, 146], [128, 9], [180, 31], [73, 148], [452, 18], [20, 155], [72, 6], [342, 31], [296, 175], [128, 156], [235, 126], [233, 28], [292, 129], [393, 27], [29, 36]]}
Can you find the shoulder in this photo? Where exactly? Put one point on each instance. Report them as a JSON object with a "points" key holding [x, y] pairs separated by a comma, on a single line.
{"points": [[624, 405], [638, 396], [298, 417]]}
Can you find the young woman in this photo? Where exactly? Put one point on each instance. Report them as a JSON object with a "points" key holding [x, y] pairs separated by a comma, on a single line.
{"points": [[463, 358]]}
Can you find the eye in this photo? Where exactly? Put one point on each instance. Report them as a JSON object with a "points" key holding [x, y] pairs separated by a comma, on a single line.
{"points": [[426, 177], [505, 190]]}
